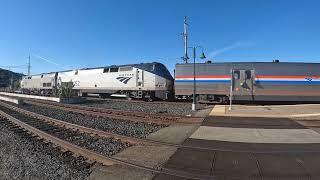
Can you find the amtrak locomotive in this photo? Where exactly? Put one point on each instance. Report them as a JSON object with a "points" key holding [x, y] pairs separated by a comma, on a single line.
{"points": [[142, 81], [244, 81]]}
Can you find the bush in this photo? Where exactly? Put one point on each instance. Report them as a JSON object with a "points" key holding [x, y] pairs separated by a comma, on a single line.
{"points": [[65, 90]]}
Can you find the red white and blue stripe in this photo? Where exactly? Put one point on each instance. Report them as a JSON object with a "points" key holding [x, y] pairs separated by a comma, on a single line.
{"points": [[203, 79], [265, 79], [295, 80]]}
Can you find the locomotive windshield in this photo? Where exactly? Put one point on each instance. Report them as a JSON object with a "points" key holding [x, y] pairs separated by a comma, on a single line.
{"points": [[162, 71], [156, 68]]}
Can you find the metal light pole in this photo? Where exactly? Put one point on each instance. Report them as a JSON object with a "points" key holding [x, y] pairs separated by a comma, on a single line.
{"points": [[194, 108], [202, 56], [185, 58]]}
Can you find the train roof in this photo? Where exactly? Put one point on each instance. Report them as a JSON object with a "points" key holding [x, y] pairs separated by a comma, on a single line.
{"points": [[253, 62], [143, 66], [123, 65]]}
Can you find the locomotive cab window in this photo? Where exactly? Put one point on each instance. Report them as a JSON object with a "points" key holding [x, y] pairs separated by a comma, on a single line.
{"points": [[105, 70], [248, 74], [114, 69], [236, 74], [126, 68]]}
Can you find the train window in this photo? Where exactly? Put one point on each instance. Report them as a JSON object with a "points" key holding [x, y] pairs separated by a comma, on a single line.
{"points": [[236, 74], [126, 68], [76, 73], [114, 69], [44, 84], [48, 84], [248, 74], [42, 76], [105, 70]]}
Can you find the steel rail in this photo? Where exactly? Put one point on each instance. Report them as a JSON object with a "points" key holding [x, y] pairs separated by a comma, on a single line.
{"points": [[139, 140], [66, 145], [144, 117], [136, 101], [305, 123], [98, 157], [91, 130], [73, 126], [119, 114]]}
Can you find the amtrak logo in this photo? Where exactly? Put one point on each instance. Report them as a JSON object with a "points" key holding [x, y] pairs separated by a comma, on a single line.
{"points": [[309, 78], [124, 79]]}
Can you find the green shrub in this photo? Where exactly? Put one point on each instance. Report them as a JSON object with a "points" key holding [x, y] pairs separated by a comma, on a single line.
{"points": [[65, 90]]}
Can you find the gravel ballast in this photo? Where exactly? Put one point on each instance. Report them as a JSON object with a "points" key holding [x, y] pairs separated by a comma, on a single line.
{"points": [[126, 128], [107, 146], [147, 107], [28, 158]]}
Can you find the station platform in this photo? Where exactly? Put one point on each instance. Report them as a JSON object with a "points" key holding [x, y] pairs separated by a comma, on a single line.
{"points": [[73, 100], [275, 111], [249, 148]]}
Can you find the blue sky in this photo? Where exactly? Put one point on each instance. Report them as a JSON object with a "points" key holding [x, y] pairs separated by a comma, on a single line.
{"points": [[64, 34]]}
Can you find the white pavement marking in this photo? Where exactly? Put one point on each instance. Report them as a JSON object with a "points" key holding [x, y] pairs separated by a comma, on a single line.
{"points": [[218, 110], [250, 135], [305, 115]]}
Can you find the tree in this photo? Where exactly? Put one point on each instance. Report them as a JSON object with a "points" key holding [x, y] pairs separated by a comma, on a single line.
{"points": [[16, 84]]}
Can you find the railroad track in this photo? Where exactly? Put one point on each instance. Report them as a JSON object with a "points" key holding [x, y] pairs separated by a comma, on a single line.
{"points": [[41, 128], [38, 127], [138, 101], [134, 116], [165, 119], [42, 147], [132, 140]]}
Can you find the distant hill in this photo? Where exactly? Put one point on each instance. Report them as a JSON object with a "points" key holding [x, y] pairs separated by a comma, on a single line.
{"points": [[6, 76]]}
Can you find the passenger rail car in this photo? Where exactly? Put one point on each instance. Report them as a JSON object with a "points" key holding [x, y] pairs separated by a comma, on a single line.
{"points": [[250, 81], [144, 81]]}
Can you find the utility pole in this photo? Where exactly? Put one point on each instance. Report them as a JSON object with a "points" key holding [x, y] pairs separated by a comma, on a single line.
{"points": [[29, 65], [202, 56], [185, 37]]}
